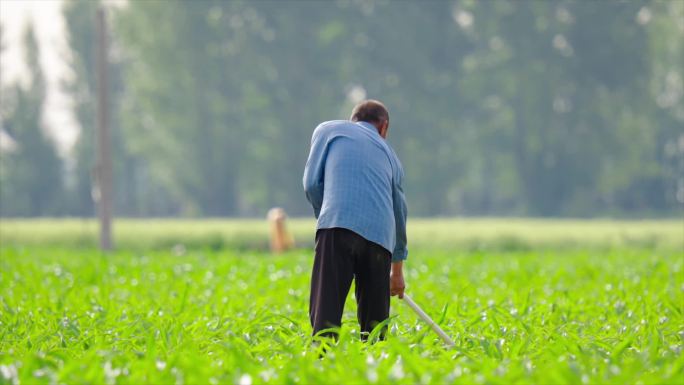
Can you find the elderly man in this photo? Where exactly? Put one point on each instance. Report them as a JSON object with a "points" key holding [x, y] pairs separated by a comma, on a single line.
{"points": [[353, 180]]}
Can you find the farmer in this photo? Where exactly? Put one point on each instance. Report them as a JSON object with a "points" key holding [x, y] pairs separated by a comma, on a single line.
{"points": [[353, 181]]}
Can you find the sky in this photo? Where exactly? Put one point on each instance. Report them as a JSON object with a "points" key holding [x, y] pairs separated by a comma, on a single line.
{"points": [[47, 19]]}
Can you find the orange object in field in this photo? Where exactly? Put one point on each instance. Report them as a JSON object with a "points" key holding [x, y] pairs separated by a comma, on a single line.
{"points": [[281, 240]]}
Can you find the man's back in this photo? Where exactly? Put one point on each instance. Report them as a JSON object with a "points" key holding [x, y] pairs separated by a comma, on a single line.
{"points": [[359, 173]]}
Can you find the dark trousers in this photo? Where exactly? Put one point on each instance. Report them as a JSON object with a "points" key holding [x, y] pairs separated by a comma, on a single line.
{"points": [[343, 255]]}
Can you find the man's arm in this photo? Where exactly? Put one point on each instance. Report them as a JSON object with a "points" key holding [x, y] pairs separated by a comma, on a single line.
{"points": [[400, 253], [314, 173]]}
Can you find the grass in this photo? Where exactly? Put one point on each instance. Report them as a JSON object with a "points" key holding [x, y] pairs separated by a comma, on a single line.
{"points": [[611, 314]]}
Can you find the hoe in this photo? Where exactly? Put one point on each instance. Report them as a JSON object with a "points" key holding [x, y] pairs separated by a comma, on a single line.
{"points": [[429, 321]]}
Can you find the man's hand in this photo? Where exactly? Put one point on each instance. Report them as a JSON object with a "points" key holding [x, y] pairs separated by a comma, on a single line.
{"points": [[397, 284]]}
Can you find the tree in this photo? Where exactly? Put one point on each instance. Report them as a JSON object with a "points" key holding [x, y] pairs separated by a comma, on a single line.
{"points": [[525, 108], [128, 197], [31, 183]]}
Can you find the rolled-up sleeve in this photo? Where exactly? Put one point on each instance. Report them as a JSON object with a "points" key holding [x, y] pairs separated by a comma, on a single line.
{"points": [[314, 173], [400, 213]]}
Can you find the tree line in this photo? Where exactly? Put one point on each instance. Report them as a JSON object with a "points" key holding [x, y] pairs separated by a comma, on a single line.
{"points": [[497, 108]]}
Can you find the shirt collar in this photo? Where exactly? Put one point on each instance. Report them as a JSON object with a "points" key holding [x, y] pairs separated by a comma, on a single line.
{"points": [[368, 126]]}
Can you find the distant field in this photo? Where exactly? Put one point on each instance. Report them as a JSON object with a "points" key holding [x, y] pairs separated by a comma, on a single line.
{"points": [[468, 234]]}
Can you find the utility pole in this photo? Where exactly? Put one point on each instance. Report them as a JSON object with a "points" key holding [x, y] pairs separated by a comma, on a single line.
{"points": [[102, 192]]}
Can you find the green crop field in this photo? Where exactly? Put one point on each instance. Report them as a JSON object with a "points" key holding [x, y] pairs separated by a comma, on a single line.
{"points": [[193, 302]]}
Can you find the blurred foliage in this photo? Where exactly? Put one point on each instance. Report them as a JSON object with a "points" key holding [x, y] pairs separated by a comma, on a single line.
{"points": [[536, 108], [31, 172], [83, 89]]}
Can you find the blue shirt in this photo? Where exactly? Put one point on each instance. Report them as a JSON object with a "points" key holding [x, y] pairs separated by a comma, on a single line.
{"points": [[353, 180]]}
